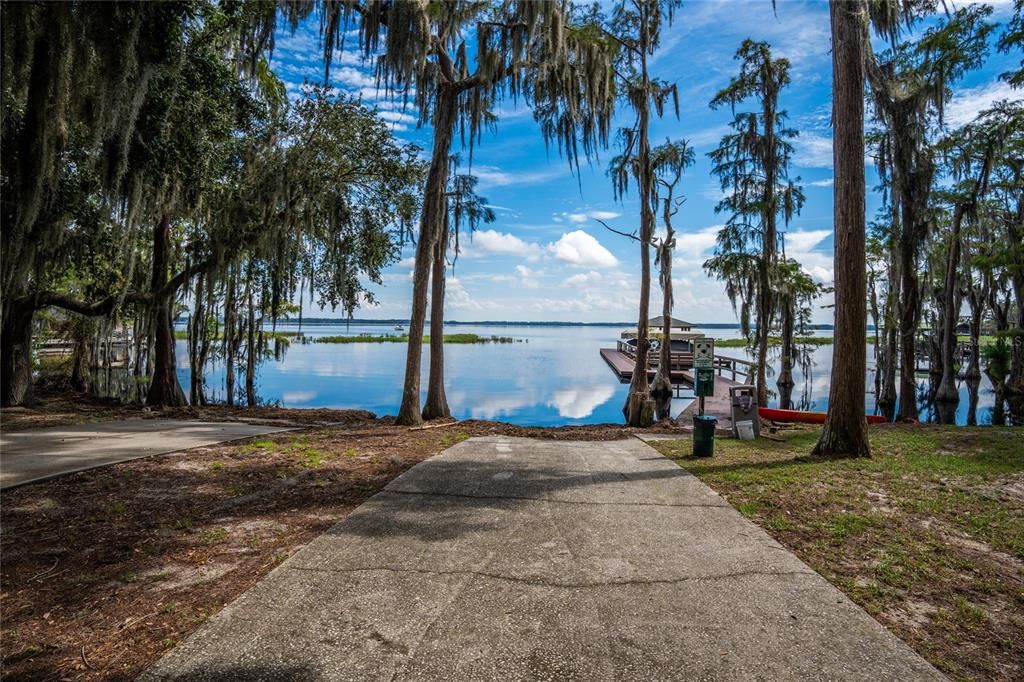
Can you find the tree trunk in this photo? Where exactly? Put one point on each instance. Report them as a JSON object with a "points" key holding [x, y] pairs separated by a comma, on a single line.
{"points": [[164, 388], [80, 359], [909, 316], [972, 400], [430, 226], [196, 340], [876, 323], [845, 432], [639, 407], [229, 337], [661, 391], [16, 354], [436, 406], [785, 382], [999, 407], [250, 352], [769, 240], [1015, 382], [947, 391], [890, 355], [976, 300]]}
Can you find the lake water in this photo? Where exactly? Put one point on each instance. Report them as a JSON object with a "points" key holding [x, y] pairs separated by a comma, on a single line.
{"points": [[554, 376]]}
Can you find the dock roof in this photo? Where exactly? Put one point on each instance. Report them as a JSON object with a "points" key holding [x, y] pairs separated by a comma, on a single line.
{"points": [[676, 322]]}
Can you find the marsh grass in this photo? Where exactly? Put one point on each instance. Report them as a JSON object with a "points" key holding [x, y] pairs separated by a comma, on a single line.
{"points": [[775, 341]]}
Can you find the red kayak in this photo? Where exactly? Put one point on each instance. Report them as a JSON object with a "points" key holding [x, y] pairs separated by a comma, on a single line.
{"points": [[775, 415]]}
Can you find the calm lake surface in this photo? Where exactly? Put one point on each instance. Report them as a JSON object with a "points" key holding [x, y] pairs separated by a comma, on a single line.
{"points": [[554, 376]]}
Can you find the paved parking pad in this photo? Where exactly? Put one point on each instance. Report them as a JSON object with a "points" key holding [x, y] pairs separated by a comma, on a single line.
{"points": [[37, 454]]}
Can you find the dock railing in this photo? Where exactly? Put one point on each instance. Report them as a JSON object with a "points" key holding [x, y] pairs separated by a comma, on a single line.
{"points": [[680, 360], [734, 367]]}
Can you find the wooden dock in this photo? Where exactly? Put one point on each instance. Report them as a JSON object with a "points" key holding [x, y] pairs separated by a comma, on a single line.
{"points": [[717, 405], [623, 366]]}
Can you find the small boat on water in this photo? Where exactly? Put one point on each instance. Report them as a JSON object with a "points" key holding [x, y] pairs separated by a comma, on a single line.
{"points": [[799, 416], [399, 328]]}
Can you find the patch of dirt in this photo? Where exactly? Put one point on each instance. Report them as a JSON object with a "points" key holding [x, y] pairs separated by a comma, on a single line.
{"points": [[880, 502], [174, 575], [1007, 560], [914, 613], [1010, 488]]}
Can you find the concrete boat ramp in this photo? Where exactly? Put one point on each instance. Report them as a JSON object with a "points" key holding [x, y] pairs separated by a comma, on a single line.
{"points": [[521, 559]]}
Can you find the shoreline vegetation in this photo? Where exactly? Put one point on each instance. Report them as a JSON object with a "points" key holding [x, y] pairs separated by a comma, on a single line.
{"points": [[182, 335], [776, 341], [403, 338]]}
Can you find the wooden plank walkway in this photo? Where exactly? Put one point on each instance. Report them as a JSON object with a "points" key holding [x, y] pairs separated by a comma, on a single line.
{"points": [[717, 405], [623, 366]]}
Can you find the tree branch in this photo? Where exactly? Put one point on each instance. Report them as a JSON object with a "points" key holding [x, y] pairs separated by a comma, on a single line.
{"points": [[444, 61], [174, 283], [46, 299], [629, 235]]}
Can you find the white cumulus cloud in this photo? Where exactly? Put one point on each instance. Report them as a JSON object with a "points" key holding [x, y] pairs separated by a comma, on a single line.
{"points": [[580, 248], [694, 245], [970, 102], [494, 242], [578, 402], [813, 150], [583, 216], [583, 279]]}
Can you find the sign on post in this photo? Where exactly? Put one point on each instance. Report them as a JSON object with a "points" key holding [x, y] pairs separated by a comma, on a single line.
{"points": [[705, 382], [703, 370], [703, 354]]}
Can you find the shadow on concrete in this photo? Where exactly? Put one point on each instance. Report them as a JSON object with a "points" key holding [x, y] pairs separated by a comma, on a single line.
{"points": [[250, 673], [442, 502], [747, 466]]}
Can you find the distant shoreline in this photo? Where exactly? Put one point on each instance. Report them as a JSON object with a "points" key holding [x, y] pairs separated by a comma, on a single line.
{"points": [[497, 323]]}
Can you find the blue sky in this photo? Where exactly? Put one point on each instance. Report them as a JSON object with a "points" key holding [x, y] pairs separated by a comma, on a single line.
{"points": [[546, 257]]}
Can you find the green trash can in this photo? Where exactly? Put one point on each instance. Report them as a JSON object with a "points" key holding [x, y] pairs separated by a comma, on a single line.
{"points": [[704, 436]]}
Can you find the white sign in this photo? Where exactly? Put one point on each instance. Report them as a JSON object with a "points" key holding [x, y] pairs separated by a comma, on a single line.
{"points": [[703, 353]]}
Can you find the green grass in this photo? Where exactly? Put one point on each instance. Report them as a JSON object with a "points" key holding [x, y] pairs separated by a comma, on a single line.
{"points": [[983, 340], [213, 536], [843, 525], [774, 341], [931, 524], [261, 445], [383, 338], [449, 440]]}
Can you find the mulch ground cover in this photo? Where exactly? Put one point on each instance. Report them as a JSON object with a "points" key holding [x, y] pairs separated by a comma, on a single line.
{"points": [[104, 571]]}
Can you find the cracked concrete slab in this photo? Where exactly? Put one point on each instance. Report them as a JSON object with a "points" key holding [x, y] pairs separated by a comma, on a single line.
{"points": [[38, 454], [516, 559]]}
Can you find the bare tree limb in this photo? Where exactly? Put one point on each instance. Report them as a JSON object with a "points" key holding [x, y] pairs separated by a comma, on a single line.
{"points": [[629, 235]]}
